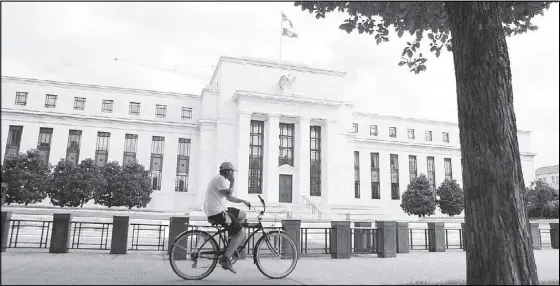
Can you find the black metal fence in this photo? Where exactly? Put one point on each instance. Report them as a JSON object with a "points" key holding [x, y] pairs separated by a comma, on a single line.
{"points": [[91, 235], [29, 233], [315, 240], [154, 237], [146, 236]]}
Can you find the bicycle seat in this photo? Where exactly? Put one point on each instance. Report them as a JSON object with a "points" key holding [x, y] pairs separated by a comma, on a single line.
{"points": [[214, 223]]}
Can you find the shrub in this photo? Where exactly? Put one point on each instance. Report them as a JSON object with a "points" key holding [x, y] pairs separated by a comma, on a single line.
{"points": [[110, 194], [451, 197], [89, 179], [62, 191], [541, 200], [419, 199], [136, 185], [27, 177]]}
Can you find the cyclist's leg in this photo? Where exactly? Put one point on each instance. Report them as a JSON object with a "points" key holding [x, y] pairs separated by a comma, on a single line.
{"points": [[237, 235], [237, 213]]}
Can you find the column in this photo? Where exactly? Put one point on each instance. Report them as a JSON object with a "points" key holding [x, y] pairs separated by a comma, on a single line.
{"points": [[243, 133], [60, 237], [119, 235], [177, 224], [292, 228], [535, 235], [207, 162], [436, 236], [271, 152], [402, 237], [386, 238], [341, 235], [302, 159], [6, 217], [553, 235], [363, 237]]}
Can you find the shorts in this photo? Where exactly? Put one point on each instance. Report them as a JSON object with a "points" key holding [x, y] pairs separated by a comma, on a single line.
{"points": [[234, 227]]}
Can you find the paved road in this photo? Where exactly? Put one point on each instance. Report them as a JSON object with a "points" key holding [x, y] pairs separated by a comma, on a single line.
{"points": [[84, 267]]}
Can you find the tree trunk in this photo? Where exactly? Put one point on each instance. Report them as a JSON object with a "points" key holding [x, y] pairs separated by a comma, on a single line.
{"points": [[499, 245]]}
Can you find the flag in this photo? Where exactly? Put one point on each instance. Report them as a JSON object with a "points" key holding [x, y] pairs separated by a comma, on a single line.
{"points": [[287, 31]]}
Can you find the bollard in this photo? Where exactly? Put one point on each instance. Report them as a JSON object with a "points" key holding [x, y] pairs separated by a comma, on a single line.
{"points": [[362, 238], [464, 235], [535, 235], [60, 237], [386, 238], [292, 228], [341, 244], [402, 237], [177, 224], [436, 236], [119, 236], [6, 217], [554, 235]]}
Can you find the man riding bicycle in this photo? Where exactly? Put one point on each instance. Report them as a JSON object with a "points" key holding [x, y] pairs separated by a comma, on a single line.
{"points": [[230, 218]]}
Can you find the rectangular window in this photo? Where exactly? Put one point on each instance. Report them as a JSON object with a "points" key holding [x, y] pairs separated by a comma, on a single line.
{"points": [[161, 111], [256, 145], [315, 162], [156, 161], [79, 103], [73, 147], [50, 100], [432, 173], [393, 132], [14, 140], [410, 133], [44, 142], [21, 98], [445, 136], [186, 113], [107, 106], [134, 108], [375, 191], [412, 168], [286, 155], [102, 148], [130, 146], [356, 174], [373, 130], [428, 135], [183, 160], [395, 192], [448, 168], [355, 127]]}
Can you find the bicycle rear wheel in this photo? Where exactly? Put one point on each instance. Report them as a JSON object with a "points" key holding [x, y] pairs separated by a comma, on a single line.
{"points": [[186, 258], [276, 255]]}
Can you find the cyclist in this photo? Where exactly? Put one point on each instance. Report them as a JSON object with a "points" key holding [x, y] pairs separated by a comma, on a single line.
{"points": [[218, 190]]}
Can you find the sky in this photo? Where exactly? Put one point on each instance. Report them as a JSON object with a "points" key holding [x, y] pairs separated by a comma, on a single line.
{"points": [[77, 42]]}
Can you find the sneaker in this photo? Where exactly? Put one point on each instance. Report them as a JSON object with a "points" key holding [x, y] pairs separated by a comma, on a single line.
{"points": [[226, 264]]}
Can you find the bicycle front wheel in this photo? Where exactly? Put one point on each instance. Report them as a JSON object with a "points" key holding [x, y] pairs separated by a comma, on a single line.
{"points": [[193, 255], [276, 255]]}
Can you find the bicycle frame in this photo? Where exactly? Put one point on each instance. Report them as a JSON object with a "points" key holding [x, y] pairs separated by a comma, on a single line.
{"points": [[221, 233]]}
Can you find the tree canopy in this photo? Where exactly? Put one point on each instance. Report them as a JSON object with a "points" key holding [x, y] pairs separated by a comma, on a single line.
{"points": [[419, 199], [451, 198], [418, 20]]}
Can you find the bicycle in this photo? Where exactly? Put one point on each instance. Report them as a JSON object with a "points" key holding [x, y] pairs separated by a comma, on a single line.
{"points": [[179, 251]]}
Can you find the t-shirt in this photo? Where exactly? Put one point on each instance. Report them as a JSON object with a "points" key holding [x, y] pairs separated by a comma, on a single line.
{"points": [[214, 201]]}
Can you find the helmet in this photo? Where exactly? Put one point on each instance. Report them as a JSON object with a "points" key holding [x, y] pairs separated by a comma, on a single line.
{"points": [[225, 166]]}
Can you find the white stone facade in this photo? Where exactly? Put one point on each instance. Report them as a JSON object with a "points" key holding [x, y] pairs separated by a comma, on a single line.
{"points": [[242, 90]]}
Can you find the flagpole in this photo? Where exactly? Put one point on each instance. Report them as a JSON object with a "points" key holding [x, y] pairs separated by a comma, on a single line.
{"points": [[281, 32]]}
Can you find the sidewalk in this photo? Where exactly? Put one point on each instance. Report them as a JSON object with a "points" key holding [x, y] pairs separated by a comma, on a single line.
{"points": [[89, 267]]}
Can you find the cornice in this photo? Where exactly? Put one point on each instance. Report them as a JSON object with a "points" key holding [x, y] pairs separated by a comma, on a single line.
{"points": [[100, 88], [279, 65], [6, 111], [419, 120], [241, 94], [420, 145]]}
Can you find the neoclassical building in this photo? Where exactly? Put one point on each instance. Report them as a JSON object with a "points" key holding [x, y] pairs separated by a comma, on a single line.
{"points": [[287, 127]]}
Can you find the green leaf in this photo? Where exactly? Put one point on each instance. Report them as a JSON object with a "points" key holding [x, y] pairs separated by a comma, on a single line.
{"points": [[409, 53], [400, 33], [430, 36]]}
